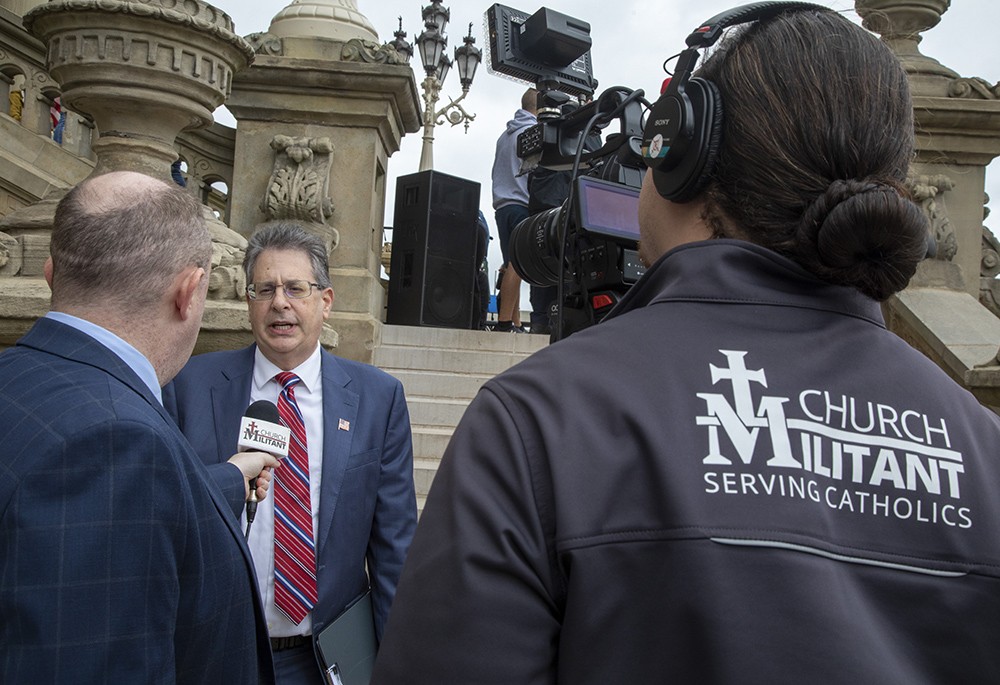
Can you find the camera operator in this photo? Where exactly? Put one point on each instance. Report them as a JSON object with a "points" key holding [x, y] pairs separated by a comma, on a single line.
{"points": [[548, 189], [510, 201], [739, 475]]}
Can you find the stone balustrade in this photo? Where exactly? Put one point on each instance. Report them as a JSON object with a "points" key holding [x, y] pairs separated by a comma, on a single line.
{"points": [[208, 155], [29, 169]]}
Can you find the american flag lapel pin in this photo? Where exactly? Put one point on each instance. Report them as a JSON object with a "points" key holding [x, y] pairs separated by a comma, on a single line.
{"points": [[344, 425]]}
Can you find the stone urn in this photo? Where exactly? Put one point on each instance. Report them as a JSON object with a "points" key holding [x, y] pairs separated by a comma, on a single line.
{"points": [[144, 70], [900, 23]]}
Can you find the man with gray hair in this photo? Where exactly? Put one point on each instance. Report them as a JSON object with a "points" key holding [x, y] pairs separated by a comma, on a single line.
{"points": [[119, 559], [343, 509]]}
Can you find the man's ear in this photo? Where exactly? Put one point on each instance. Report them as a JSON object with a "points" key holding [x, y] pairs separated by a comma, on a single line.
{"points": [[186, 289], [47, 269], [327, 296]]}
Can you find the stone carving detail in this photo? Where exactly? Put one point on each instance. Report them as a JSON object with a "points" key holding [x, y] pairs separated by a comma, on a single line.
{"points": [[227, 280], [989, 286], [194, 14], [299, 183], [386, 257], [928, 193], [202, 171], [199, 166], [266, 44], [973, 88], [143, 71], [90, 46], [10, 256], [41, 80], [357, 50], [5, 250]]}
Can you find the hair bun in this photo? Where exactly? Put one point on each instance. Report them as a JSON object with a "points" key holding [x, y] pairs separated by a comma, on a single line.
{"points": [[864, 234]]}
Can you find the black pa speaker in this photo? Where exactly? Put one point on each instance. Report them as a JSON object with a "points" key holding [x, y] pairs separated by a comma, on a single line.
{"points": [[433, 267]]}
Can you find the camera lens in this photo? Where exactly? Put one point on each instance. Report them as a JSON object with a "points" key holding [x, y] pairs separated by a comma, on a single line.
{"points": [[534, 247]]}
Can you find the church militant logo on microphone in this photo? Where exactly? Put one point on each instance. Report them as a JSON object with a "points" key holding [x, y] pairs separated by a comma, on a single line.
{"points": [[264, 436], [852, 454]]}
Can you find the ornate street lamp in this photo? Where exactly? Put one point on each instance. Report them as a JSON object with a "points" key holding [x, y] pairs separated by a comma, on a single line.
{"points": [[437, 15], [443, 67], [431, 47], [468, 57], [404, 49]]}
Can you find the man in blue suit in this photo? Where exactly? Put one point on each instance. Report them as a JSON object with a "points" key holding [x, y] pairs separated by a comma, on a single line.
{"points": [[358, 485], [120, 561]]}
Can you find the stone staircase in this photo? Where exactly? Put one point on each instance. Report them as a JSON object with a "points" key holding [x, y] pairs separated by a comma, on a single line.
{"points": [[441, 370]]}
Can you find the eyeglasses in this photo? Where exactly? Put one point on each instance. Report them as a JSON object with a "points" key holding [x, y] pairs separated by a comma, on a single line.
{"points": [[295, 290]]}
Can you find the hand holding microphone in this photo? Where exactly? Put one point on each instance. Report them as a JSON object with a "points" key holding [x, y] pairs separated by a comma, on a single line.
{"points": [[256, 469], [260, 431]]}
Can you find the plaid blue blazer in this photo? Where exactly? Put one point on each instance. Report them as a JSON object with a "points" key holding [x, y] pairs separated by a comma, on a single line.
{"points": [[120, 561]]}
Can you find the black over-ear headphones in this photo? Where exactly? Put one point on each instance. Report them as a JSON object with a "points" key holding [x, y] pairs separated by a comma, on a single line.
{"points": [[684, 128]]}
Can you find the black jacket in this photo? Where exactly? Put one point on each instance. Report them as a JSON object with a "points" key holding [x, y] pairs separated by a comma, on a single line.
{"points": [[739, 477]]}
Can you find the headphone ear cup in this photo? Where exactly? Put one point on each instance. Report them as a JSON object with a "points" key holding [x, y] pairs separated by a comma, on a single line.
{"points": [[714, 142], [691, 174]]}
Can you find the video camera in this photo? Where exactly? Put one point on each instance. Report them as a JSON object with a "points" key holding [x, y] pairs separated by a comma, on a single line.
{"points": [[588, 247]]}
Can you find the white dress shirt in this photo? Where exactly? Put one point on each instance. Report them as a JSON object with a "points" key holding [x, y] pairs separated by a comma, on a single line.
{"points": [[309, 397]]}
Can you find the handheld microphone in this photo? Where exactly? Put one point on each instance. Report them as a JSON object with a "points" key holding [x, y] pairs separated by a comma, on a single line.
{"points": [[260, 430]]}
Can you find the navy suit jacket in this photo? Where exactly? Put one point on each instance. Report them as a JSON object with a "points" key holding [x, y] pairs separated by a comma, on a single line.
{"points": [[367, 507], [119, 558]]}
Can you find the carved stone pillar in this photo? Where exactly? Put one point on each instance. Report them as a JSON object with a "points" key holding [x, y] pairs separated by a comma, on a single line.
{"points": [[143, 71], [958, 134], [323, 114], [957, 119]]}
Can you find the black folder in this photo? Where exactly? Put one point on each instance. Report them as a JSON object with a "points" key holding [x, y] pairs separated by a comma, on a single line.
{"points": [[347, 646]]}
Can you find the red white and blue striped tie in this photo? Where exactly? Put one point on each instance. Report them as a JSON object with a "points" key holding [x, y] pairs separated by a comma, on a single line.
{"points": [[294, 550]]}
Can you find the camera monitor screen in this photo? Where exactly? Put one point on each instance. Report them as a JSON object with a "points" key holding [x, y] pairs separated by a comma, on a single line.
{"points": [[608, 209], [546, 46]]}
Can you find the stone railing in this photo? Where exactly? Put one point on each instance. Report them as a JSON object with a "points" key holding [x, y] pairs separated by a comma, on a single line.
{"points": [[208, 156], [162, 100], [31, 92]]}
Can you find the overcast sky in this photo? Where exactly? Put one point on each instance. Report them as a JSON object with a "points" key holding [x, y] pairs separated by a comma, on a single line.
{"points": [[631, 39]]}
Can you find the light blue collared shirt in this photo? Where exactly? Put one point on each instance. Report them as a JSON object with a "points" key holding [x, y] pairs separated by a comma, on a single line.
{"points": [[128, 354]]}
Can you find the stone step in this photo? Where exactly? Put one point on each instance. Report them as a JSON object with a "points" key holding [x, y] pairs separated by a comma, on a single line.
{"points": [[441, 370], [423, 474], [439, 412], [429, 442], [489, 363], [457, 339], [418, 383]]}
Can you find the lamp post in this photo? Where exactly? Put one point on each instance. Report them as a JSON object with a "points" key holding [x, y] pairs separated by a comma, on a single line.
{"points": [[431, 46], [404, 49]]}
